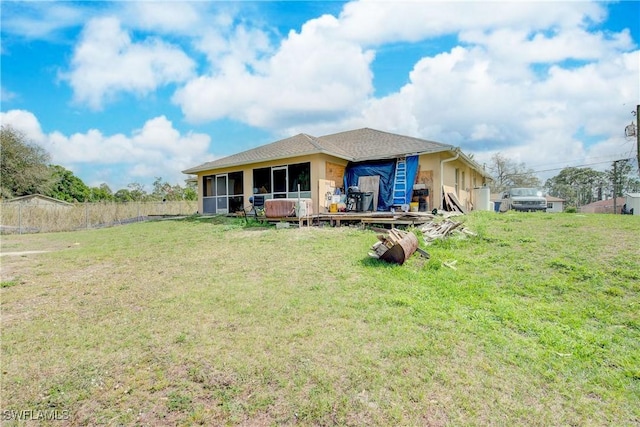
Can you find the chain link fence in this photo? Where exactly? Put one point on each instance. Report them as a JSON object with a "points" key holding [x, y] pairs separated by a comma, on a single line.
{"points": [[19, 218]]}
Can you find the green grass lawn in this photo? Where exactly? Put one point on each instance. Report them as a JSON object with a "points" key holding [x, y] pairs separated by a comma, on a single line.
{"points": [[207, 321]]}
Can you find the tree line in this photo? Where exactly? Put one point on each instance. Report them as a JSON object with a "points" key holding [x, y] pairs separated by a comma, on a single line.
{"points": [[25, 169]]}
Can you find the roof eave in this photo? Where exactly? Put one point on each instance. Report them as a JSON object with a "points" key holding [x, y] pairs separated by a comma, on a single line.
{"points": [[204, 168], [474, 164], [397, 155]]}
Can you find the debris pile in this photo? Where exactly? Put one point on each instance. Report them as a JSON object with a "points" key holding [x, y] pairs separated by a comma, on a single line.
{"points": [[396, 246], [433, 231]]}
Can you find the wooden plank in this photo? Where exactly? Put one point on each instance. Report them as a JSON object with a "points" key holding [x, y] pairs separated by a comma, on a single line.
{"points": [[335, 172], [456, 202], [447, 203]]}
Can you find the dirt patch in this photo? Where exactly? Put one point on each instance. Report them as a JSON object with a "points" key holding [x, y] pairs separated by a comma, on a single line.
{"points": [[17, 261], [22, 253]]}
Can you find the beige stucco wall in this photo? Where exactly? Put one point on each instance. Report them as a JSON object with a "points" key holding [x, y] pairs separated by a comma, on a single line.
{"points": [[471, 179], [318, 168]]}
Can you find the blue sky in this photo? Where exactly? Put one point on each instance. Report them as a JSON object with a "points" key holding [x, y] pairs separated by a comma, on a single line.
{"points": [[122, 92]]}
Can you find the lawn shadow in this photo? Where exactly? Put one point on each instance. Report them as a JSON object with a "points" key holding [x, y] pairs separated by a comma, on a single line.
{"points": [[374, 262]]}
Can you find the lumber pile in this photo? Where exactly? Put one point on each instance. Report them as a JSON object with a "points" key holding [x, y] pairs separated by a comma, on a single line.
{"points": [[396, 246], [439, 230]]}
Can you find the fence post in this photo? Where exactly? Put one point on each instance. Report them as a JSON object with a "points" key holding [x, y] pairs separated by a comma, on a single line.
{"points": [[86, 215], [19, 218]]}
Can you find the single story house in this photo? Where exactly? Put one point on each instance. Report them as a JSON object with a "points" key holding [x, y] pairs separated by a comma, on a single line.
{"points": [[305, 166], [39, 200], [554, 204], [604, 206]]}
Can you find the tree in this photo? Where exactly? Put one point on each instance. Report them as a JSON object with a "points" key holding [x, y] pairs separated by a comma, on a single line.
{"points": [[162, 190], [68, 187], [622, 178], [23, 165], [507, 173], [101, 193], [137, 193], [577, 186], [123, 195], [191, 191]]}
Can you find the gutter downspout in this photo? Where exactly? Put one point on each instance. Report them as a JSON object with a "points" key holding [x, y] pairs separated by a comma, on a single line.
{"points": [[442, 162]]}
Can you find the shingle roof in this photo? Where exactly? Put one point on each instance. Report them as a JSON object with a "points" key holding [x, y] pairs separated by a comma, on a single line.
{"points": [[605, 203], [355, 145], [298, 145], [369, 144], [38, 197], [553, 199]]}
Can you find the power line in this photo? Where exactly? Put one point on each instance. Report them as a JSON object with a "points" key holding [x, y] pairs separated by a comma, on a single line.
{"points": [[610, 158], [564, 167]]}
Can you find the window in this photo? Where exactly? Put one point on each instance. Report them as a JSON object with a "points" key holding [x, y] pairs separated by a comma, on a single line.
{"points": [[300, 174], [280, 180], [221, 185], [236, 184], [457, 181], [222, 193], [262, 180], [236, 203], [208, 189]]}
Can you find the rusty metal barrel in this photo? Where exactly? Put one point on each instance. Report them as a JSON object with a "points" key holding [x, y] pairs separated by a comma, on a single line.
{"points": [[396, 247]]}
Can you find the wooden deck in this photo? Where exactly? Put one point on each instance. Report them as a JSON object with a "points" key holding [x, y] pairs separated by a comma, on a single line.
{"points": [[377, 218], [388, 219]]}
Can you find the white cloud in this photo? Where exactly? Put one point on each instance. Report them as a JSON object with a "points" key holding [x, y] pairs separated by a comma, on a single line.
{"points": [[311, 76], [320, 78], [167, 17], [107, 62], [378, 22], [6, 95], [568, 116], [41, 20], [530, 79], [157, 149], [25, 122]]}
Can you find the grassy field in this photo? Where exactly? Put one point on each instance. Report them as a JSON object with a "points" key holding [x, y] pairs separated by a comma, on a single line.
{"points": [[206, 321]]}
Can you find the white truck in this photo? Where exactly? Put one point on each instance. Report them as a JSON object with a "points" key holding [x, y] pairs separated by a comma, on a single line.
{"points": [[523, 199]]}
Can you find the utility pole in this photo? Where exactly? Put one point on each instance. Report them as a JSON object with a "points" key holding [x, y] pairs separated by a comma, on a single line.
{"points": [[632, 130]]}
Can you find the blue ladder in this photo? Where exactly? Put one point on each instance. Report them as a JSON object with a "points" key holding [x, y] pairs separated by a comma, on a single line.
{"points": [[400, 183]]}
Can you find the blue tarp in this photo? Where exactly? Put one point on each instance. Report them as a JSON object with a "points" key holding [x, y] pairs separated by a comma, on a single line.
{"points": [[386, 170], [412, 170]]}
